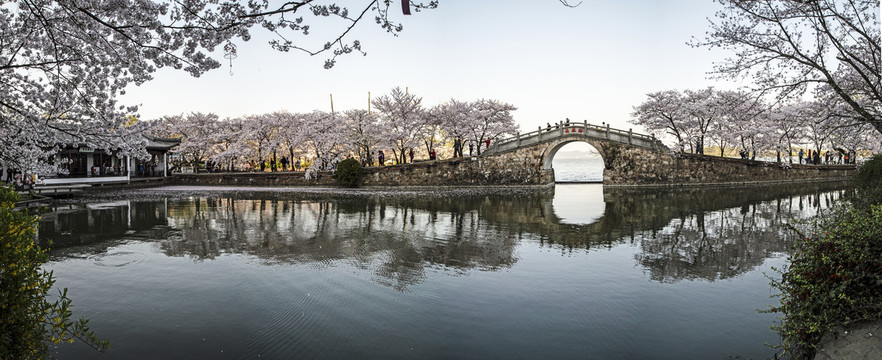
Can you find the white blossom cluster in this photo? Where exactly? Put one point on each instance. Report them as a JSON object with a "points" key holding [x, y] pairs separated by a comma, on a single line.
{"points": [[398, 125], [695, 120], [63, 63], [828, 48]]}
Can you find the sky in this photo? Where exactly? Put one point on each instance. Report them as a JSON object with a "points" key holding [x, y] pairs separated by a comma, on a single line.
{"points": [[594, 62]]}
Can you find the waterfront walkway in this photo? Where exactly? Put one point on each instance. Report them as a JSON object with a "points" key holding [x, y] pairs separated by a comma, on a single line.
{"points": [[861, 342]]}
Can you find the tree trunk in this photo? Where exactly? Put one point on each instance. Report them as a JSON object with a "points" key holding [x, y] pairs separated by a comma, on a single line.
{"points": [[291, 151]]}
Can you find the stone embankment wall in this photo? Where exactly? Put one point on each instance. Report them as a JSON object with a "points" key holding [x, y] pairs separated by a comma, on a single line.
{"points": [[636, 167], [452, 172], [506, 169], [624, 166]]}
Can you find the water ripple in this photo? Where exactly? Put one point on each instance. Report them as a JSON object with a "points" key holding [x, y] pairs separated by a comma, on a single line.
{"points": [[117, 259]]}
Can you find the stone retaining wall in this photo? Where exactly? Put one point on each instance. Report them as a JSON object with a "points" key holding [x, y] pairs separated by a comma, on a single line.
{"points": [[624, 166], [455, 172], [496, 170], [636, 167]]}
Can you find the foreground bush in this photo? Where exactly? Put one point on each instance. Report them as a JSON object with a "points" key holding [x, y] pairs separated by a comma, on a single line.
{"points": [[868, 183], [349, 173], [870, 173], [834, 279], [28, 321]]}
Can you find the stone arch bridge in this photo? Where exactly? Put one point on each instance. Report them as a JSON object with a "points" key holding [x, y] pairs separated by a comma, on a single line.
{"points": [[632, 159], [546, 142]]}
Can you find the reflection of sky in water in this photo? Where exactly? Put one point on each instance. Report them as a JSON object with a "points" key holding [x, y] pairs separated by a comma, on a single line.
{"points": [[587, 169], [580, 204]]}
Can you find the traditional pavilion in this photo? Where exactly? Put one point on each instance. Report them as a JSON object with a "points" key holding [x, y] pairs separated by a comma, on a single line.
{"points": [[84, 165]]}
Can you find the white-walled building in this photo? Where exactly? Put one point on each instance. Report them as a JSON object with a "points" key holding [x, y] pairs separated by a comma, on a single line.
{"points": [[83, 165]]}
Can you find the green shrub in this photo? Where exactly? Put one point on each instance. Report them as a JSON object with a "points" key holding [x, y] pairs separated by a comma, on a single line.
{"points": [[834, 279], [349, 173], [868, 181], [28, 321], [870, 173]]}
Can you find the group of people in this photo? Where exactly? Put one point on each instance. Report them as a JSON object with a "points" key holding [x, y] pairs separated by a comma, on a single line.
{"points": [[566, 123], [19, 181], [458, 151], [281, 165], [815, 157], [105, 170]]}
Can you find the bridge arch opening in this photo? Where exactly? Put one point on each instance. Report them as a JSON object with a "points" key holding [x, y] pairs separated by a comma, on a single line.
{"points": [[574, 161]]}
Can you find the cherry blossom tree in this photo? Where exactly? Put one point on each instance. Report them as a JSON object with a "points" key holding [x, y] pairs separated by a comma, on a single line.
{"points": [[63, 64], [291, 133], [790, 47], [663, 112], [818, 124], [401, 117], [703, 111], [740, 123], [325, 134], [454, 117], [787, 125], [431, 134], [364, 133], [262, 133], [490, 120], [196, 131], [232, 149]]}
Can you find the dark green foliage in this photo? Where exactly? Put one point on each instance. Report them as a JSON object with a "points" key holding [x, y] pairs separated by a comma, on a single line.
{"points": [[834, 279], [28, 320], [870, 173], [869, 184], [349, 173]]}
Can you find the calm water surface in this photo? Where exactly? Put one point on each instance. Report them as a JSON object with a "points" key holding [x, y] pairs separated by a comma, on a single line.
{"points": [[582, 273], [578, 170]]}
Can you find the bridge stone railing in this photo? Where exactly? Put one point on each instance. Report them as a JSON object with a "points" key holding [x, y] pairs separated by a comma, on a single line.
{"points": [[576, 130]]}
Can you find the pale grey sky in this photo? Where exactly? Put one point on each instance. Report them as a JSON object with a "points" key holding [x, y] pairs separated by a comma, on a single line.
{"points": [[594, 62]]}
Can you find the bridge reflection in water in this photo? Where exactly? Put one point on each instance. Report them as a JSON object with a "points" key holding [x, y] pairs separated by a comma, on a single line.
{"points": [[688, 234]]}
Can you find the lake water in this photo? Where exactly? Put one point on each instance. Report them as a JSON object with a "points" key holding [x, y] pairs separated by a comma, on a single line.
{"points": [[582, 272], [578, 170]]}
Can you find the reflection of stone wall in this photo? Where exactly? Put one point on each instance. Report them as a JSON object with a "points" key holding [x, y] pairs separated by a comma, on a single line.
{"points": [[290, 178]]}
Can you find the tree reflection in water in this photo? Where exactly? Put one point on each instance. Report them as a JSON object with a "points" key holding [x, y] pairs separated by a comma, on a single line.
{"points": [[681, 234]]}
